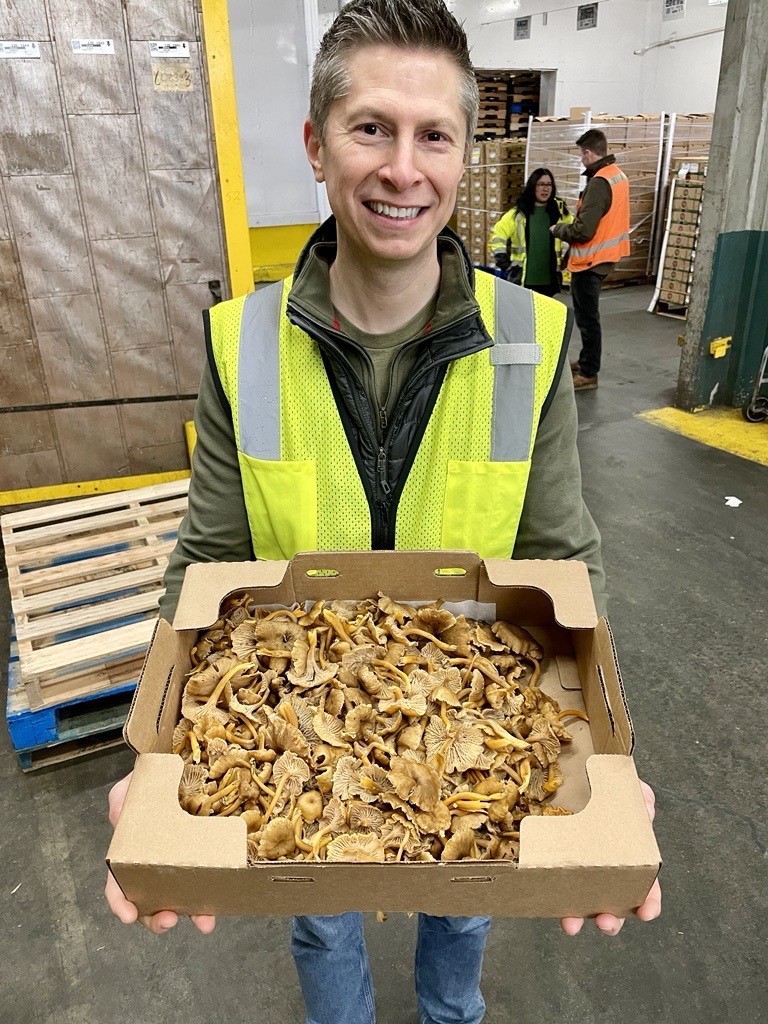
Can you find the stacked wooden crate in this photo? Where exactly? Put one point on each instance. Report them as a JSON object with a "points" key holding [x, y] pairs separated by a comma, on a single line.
{"points": [[523, 101], [85, 579], [678, 256], [492, 119]]}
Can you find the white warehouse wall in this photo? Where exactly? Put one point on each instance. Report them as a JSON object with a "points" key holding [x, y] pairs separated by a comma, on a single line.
{"points": [[683, 76], [605, 67], [595, 67]]}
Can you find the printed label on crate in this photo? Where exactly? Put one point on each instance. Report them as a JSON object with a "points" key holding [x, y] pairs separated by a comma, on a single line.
{"points": [[168, 48], [10, 48], [93, 47]]}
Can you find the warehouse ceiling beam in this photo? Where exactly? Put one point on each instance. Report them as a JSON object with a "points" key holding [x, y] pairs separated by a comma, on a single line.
{"points": [[221, 78]]}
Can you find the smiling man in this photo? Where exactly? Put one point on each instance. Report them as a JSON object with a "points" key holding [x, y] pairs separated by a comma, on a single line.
{"points": [[386, 396]]}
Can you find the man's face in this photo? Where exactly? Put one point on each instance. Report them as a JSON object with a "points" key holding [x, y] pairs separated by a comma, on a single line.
{"points": [[393, 152], [588, 157]]}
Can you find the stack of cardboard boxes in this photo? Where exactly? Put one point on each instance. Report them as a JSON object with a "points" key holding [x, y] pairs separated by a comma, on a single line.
{"points": [[636, 142], [680, 242], [492, 181]]}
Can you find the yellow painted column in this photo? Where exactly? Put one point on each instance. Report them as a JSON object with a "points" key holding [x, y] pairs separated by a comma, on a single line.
{"points": [[221, 77]]}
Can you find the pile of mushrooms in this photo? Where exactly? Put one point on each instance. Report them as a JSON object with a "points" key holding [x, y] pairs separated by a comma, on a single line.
{"points": [[369, 731]]}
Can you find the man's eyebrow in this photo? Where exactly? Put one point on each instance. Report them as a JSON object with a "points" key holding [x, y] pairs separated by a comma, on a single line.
{"points": [[430, 124]]}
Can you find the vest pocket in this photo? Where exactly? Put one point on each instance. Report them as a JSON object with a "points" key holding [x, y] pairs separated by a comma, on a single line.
{"points": [[483, 503], [281, 502]]}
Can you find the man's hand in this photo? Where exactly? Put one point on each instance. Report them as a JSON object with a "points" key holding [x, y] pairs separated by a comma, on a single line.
{"points": [[651, 908], [163, 920], [552, 229]]}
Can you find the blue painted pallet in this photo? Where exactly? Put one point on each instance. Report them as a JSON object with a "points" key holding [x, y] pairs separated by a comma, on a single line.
{"points": [[66, 730]]}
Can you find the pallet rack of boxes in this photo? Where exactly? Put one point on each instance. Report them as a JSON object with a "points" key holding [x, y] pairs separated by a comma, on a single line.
{"points": [[492, 181], [678, 253], [638, 145]]}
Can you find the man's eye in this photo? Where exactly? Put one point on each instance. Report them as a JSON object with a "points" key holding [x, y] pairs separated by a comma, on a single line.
{"points": [[435, 136], [370, 129]]}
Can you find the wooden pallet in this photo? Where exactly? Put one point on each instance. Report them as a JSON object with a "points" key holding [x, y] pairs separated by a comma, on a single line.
{"points": [[85, 579], [69, 730]]}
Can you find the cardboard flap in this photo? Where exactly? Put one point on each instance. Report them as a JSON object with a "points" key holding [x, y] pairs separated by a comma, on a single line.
{"points": [[603, 690], [565, 582], [167, 654], [613, 829], [327, 574], [155, 829], [206, 584]]}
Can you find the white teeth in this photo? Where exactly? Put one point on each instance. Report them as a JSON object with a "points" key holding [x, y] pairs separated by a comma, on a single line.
{"points": [[395, 212]]}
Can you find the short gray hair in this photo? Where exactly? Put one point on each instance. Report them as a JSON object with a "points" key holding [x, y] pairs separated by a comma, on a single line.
{"points": [[410, 24]]}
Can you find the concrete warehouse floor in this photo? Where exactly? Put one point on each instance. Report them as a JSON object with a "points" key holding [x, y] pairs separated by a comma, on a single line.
{"points": [[688, 579]]}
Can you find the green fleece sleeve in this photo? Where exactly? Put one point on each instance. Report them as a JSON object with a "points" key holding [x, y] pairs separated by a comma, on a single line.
{"points": [[215, 528], [555, 522]]}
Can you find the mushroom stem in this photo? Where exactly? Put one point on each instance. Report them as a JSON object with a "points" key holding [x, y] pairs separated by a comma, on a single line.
{"points": [[440, 644], [382, 663], [444, 713], [288, 714], [213, 700], [195, 747], [575, 712], [298, 833], [335, 622], [502, 734], [536, 670], [207, 805], [275, 798]]}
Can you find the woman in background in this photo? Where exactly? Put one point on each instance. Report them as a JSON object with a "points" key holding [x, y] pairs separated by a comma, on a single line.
{"points": [[523, 247]]}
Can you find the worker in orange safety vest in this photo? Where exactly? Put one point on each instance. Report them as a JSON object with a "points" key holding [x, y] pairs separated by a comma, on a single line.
{"points": [[599, 238]]}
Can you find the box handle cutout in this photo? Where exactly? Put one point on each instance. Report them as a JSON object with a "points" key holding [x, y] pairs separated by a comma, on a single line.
{"points": [[313, 573], [454, 571], [163, 699], [291, 878], [475, 878]]}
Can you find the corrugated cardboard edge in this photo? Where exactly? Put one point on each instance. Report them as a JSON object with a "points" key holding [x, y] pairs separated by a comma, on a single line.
{"points": [[166, 658], [604, 858]]}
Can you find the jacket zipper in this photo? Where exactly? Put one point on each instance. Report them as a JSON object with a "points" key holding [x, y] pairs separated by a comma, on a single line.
{"points": [[383, 523]]}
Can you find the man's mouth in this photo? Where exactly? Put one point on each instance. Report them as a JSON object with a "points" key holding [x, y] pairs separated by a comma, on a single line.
{"points": [[394, 212]]}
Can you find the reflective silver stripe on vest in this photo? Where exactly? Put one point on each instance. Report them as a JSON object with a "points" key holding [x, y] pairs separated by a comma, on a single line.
{"points": [[515, 359], [621, 176], [592, 249], [258, 374]]}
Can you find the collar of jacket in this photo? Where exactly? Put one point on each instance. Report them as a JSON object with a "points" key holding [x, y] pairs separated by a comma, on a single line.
{"points": [[604, 161], [456, 329]]}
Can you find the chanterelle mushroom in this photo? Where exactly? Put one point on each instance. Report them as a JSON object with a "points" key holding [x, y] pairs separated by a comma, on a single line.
{"points": [[429, 729], [278, 839]]}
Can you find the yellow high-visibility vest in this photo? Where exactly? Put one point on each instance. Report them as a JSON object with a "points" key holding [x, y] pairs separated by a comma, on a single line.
{"points": [[466, 486]]}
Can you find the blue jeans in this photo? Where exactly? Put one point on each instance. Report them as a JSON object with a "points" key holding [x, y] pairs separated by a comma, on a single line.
{"points": [[335, 975]]}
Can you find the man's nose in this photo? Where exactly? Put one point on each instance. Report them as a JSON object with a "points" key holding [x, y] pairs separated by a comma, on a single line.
{"points": [[401, 168]]}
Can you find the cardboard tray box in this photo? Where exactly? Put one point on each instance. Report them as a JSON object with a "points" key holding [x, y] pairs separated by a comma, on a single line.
{"points": [[603, 858]]}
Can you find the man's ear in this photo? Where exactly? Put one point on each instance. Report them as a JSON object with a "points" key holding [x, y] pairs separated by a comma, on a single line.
{"points": [[313, 147]]}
